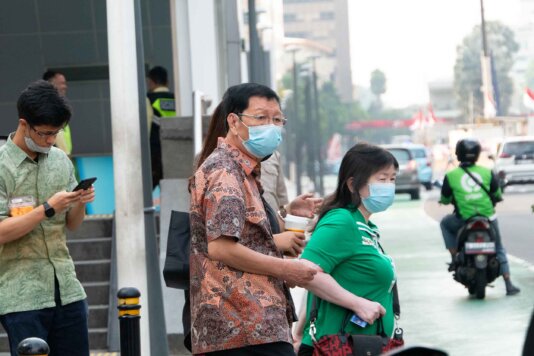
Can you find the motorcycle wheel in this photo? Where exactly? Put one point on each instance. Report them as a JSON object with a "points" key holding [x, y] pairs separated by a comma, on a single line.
{"points": [[480, 284]]}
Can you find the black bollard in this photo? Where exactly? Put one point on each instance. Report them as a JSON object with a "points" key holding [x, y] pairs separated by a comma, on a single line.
{"points": [[33, 346], [129, 316]]}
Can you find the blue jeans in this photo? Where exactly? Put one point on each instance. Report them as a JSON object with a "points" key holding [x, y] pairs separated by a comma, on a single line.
{"points": [[450, 225], [63, 327]]}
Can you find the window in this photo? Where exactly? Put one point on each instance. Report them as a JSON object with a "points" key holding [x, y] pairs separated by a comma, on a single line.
{"points": [[327, 15], [290, 17]]}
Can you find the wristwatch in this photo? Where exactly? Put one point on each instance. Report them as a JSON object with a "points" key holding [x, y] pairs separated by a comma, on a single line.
{"points": [[282, 212], [49, 211]]}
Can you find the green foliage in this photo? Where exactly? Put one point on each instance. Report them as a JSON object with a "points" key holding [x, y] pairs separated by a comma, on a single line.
{"points": [[333, 114], [467, 72], [378, 82], [378, 87]]}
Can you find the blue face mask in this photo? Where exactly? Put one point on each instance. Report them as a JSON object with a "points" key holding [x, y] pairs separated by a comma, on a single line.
{"points": [[380, 197], [263, 140]]}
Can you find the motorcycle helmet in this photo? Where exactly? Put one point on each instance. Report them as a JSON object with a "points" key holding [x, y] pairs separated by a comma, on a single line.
{"points": [[468, 150]]}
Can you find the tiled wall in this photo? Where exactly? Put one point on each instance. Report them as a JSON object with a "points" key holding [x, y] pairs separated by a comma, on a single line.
{"points": [[36, 35]]}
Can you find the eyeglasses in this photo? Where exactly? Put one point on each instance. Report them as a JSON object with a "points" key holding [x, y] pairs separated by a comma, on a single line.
{"points": [[46, 134], [278, 121]]}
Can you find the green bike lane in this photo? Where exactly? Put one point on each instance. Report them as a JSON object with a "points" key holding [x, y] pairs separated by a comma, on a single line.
{"points": [[436, 310]]}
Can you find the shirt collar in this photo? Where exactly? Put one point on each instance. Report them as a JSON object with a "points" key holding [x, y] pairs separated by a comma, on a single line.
{"points": [[161, 90], [16, 153], [247, 162]]}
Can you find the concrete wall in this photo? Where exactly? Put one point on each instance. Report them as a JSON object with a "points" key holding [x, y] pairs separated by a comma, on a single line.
{"points": [[37, 35]]}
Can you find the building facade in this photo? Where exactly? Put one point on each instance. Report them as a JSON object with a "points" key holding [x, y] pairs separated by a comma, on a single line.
{"points": [[325, 23]]}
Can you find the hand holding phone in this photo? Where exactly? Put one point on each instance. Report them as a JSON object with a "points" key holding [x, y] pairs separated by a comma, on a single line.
{"points": [[85, 184]]}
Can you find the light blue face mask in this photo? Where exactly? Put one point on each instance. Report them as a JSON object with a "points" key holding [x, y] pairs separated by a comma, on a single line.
{"points": [[263, 140], [380, 197]]}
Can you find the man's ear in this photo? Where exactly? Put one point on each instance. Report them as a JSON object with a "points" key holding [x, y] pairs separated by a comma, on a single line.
{"points": [[231, 122]]}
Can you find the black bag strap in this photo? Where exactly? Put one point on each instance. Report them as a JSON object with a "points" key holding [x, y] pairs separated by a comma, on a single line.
{"points": [[479, 183], [394, 290], [271, 216]]}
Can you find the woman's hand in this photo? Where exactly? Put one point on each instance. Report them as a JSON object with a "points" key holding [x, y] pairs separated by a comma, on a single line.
{"points": [[290, 243], [297, 340], [368, 310], [304, 205]]}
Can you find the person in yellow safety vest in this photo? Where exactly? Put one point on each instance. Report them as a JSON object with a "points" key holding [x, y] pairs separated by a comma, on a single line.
{"points": [[162, 104], [64, 138]]}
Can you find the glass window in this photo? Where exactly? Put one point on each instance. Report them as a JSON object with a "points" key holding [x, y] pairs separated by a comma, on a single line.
{"points": [[418, 152], [402, 156], [518, 148]]}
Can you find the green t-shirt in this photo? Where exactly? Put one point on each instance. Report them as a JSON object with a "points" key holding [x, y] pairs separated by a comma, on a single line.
{"points": [[346, 247]]}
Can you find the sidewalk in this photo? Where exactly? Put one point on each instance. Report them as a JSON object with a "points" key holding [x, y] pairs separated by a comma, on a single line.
{"points": [[436, 310]]}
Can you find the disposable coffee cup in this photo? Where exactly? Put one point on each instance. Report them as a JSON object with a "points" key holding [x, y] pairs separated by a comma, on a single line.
{"points": [[296, 223]]}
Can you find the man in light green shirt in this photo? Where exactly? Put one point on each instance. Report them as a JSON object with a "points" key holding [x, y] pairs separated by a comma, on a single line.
{"points": [[40, 294]]}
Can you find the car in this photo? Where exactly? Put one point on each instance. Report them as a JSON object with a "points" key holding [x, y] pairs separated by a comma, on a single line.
{"points": [[407, 177], [514, 162], [424, 164]]}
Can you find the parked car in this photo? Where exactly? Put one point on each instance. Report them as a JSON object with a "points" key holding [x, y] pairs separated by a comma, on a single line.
{"points": [[407, 178], [514, 163], [424, 164]]}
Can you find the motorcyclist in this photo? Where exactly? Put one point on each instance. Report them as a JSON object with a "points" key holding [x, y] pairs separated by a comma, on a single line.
{"points": [[470, 199]]}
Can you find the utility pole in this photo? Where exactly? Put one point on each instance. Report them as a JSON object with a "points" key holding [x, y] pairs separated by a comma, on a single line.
{"points": [[483, 29], [295, 127], [488, 98], [255, 48], [318, 138], [309, 122]]}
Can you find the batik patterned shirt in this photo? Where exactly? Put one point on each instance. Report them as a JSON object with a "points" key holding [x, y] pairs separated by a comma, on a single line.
{"points": [[28, 264], [231, 308]]}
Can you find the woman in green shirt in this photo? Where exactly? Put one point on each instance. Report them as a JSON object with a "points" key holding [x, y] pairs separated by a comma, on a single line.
{"points": [[355, 273]]}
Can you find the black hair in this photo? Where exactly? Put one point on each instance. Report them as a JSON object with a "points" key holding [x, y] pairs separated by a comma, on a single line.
{"points": [[235, 100], [49, 74], [359, 163], [158, 75], [41, 104]]}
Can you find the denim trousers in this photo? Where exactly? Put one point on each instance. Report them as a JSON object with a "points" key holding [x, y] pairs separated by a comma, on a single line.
{"points": [[63, 327], [450, 225]]}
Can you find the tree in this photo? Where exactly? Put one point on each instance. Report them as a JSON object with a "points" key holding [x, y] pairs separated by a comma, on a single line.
{"points": [[467, 72], [378, 87]]}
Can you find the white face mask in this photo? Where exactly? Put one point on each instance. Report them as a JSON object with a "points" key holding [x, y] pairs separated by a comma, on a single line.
{"points": [[32, 146]]}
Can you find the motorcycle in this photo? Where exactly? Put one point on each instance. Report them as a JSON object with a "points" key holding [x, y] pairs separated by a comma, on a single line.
{"points": [[476, 264]]}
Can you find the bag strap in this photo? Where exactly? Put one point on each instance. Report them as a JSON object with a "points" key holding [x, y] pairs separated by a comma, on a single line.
{"points": [[394, 290], [479, 183]]}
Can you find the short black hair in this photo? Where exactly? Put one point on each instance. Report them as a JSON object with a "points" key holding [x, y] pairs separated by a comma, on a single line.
{"points": [[158, 75], [49, 74], [41, 104]]}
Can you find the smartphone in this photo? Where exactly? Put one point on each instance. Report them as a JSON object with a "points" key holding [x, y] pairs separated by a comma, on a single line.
{"points": [[356, 320], [85, 184]]}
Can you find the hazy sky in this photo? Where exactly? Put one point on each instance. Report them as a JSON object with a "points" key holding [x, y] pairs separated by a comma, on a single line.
{"points": [[414, 41]]}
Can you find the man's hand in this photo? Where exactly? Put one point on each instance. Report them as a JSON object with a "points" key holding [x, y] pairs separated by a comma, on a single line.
{"points": [[305, 205], [290, 243], [297, 273], [87, 195], [61, 201]]}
